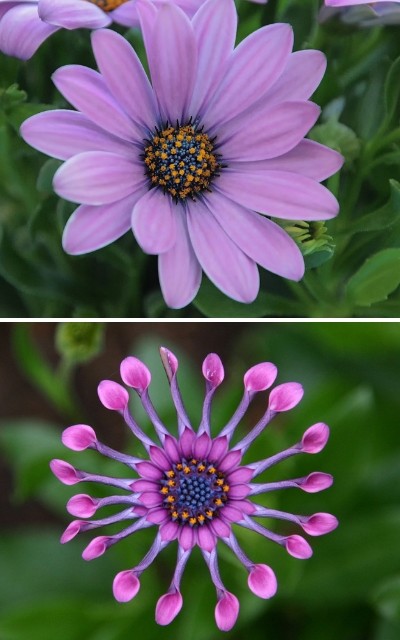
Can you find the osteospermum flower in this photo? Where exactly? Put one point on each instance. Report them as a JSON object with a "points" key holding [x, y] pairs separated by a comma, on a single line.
{"points": [[348, 3], [26, 24], [188, 161], [193, 488], [364, 15]]}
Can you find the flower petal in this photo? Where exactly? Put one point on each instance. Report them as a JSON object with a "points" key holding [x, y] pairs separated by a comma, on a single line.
{"points": [[159, 458], [279, 194], [187, 538], [92, 227], [168, 607], [285, 396], [253, 68], [202, 446], [154, 222], [73, 14], [242, 474], [125, 76], [135, 374], [186, 442], [220, 528], [258, 237], [218, 449], [262, 581], [206, 539], [315, 438], [260, 377], [125, 586], [226, 611], [214, 26], [148, 471], [269, 132], [97, 177], [302, 75], [224, 263], [22, 31], [308, 158], [172, 57], [179, 270], [78, 437], [62, 133], [169, 531], [112, 395], [87, 91]]}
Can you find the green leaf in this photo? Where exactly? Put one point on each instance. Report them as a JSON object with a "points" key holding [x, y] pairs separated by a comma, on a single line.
{"points": [[376, 279], [39, 372], [382, 218], [45, 178], [214, 304], [392, 90]]}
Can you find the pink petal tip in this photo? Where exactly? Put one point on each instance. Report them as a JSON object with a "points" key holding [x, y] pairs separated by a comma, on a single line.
{"points": [[125, 586], [79, 437], [285, 396], [135, 373], [262, 581], [260, 377], [213, 369], [64, 471], [112, 395], [168, 607], [315, 438], [226, 611]]}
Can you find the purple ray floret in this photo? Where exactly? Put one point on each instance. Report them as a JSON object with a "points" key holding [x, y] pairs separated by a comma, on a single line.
{"points": [[192, 488], [197, 161]]}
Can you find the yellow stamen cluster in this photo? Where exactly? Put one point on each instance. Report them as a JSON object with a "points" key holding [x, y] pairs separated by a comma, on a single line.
{"points": [[108, 5], [181, 161]]}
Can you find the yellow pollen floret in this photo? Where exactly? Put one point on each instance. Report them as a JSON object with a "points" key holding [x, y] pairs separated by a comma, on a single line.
{"points": [[211, 469], [219, 482], [185, 515], [193, 461], [226, 488], [218, 502], [108, 5], [209, 513], [201, 467], [170, 499], [165, 490], [171, 474], [171, 483], [192, 520], [186, 469], [200, 518]]}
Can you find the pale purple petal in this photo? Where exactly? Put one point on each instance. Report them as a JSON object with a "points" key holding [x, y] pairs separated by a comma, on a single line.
{"points": [[267, 132], [112, 395], [62, 134], [87, 91], [285, 396], [260, 377], [154, 222], [279, 194], [125, 586], [169, 531], [168, 607], [302, 75], [242, 474], [96, 177], [73, 14], [253, 68], [72, 531], [258, 237], [315, 438], [226, 611], [230, 461], [22, 31], [172, 58], [308, 158], [126, 14], [171, 448], [262, 581], [135, 374], [215, 29], [92, 227], [178, 269], [224, 263], [125, 76], [239, 491], [151, 499], [78, 437], [220, 528]]}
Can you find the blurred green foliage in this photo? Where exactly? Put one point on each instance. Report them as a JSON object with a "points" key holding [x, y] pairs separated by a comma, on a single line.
{"points": [[349, 589], [360, 117]]}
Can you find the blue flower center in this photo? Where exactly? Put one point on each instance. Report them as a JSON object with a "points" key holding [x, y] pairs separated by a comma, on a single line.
{"points": [[194, 491], [181, 160]]}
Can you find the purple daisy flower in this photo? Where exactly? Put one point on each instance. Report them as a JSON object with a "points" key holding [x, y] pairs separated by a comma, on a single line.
{"points": [[364, 15], [26, 24], [193, 488], [348, 3], [189, 161]]}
